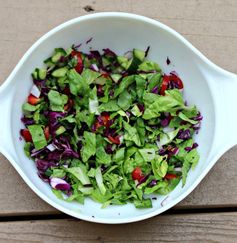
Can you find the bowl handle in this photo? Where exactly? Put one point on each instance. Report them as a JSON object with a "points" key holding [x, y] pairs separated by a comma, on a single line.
{"points": [[224, 88], [6, 102]]}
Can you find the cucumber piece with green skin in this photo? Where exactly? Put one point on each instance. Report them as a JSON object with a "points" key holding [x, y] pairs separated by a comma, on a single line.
{"points": [[123, 61], [138, 57], [49, 63], [139, 54], [68, 51], [60, 72], [62, 82], [42, 73], [105, 61], [100, 80], [35, 74], [56, 57], [39, 73], [87, 63], [60, 130], [116, 77], [61, 51]]}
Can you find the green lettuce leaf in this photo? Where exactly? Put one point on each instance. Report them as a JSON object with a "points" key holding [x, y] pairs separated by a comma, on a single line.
{"points": [[38, 136], [85, 116], [99, 180], [102, 157], [80, 173], [148, 154], [145, 203], [109, 106], [124, 100], [171, 102], [185, 118], [119, 155], [131, 134], [89, 146], [57, 100], [154, 80], [159, 166], [93, 102], [89, 75], [77, 84], [124, 84], [140, 86]]}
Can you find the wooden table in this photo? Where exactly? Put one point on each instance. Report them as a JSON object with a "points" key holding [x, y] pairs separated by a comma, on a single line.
{"points": [[209, 213]]}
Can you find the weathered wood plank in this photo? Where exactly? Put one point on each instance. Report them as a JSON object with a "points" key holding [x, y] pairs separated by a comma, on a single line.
{"points": [[218, 227], [209, 25]]}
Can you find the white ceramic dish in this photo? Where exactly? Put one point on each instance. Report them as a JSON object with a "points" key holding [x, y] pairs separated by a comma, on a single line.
{"points": [[211, 88]]}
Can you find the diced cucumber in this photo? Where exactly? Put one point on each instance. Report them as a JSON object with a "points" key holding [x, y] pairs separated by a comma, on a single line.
{"points": [[62, 82], [123, 61], [60, 130], [61, 51], [60, 72], [138, 58], [35, 74], [49, 62], [100, 80], [56, 57], [116, 77], [139, 54], [42, 73], [133, 64], [86, 62], [68, 51], [105, 61], [149, 66], [39, 73]]}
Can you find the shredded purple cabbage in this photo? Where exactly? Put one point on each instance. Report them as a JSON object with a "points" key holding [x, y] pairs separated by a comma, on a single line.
{"points": [[155, 90], [184, 134]]}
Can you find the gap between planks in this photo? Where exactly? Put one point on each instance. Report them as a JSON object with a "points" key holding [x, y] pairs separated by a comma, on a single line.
{"points": [[171, 212]]}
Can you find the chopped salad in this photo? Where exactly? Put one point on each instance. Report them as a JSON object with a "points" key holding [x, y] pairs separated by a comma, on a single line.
{"points": [[112, 128]]}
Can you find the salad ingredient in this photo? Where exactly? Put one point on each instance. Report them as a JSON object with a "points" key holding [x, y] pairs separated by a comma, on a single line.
{"points": [[113, 128]]}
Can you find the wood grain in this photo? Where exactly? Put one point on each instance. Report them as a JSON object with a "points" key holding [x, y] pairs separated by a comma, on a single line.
{"points": [[217, 227], [209, 25]]}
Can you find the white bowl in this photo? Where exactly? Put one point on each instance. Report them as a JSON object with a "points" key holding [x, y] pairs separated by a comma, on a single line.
{"points": [[211, 88]]}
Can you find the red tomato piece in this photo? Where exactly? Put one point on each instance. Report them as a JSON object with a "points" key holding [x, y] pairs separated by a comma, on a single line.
{"points": [[137, 174], [46, 133], [26, 135], [170, 176], [114, 140], [68, 105], [177, 80], [164, 85], [79, 66], [33, 100]]}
